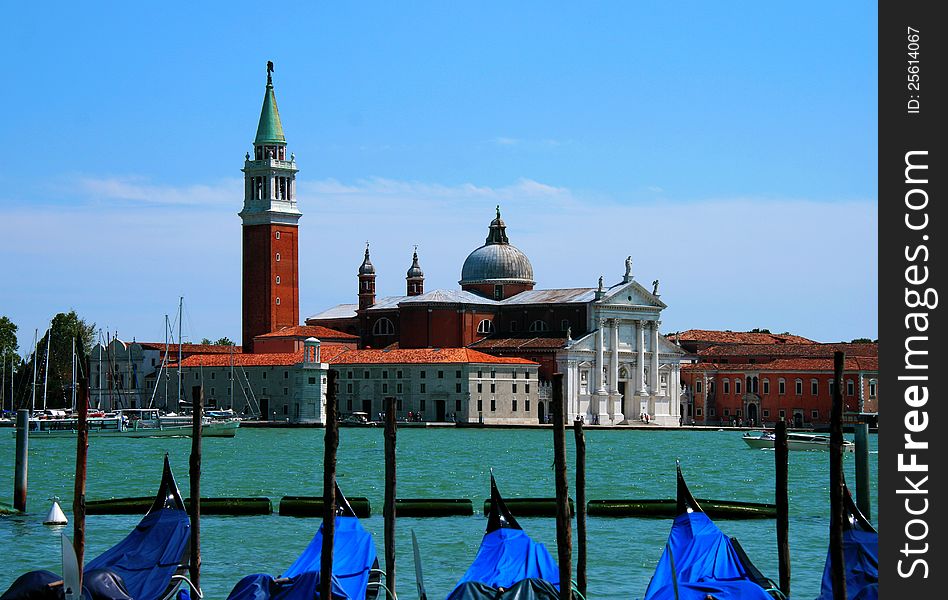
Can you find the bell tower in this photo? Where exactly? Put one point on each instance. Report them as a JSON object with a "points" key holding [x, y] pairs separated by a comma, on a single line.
{"points": [[270, 229]]}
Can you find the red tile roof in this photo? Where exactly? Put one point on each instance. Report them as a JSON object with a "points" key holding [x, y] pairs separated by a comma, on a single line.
{"points": [[193, 348], [306, 331], [855, 363], [340, 355], [542, 343], [424, 356], [739, 337], [790, 350]]}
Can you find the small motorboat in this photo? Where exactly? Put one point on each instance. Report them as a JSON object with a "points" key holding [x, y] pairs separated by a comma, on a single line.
{"points": [[700, 562], [509, 564], [149, 564], [795, 441], [355, 567], [860, 553]]}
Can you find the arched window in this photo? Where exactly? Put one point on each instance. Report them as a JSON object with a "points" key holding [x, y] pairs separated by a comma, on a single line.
{"points": [[485, 326], [766, 386], [781, 386], [278, 257], [383, 327], [798, 387], [539, 325], [737, 386]]}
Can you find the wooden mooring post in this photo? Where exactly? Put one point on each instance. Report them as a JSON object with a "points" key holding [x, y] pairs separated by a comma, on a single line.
{"points": [[782, 499], [197, 429], [331, 444], [837, 560], [21, 470], [863, 493], [388, 511], [82, 452], [563, 525], [580, 506]]}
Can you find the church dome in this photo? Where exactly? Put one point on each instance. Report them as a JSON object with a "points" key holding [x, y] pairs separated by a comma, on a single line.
{"points": [[497, 260]]}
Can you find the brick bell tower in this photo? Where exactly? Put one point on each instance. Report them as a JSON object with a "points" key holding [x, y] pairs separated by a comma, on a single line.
{"points": [[271, 298]]}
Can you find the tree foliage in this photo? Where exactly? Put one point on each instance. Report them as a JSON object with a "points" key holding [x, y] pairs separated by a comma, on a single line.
{"points": [[8, 341]]}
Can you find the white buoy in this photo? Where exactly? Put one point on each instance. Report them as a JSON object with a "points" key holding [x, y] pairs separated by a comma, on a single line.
{"points": [[55, 516]]}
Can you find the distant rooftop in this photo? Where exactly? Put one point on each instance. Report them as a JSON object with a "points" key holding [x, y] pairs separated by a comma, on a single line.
{"points": [[739, 337]]}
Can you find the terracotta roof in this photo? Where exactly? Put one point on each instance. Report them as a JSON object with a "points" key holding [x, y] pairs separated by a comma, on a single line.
{"points": [[423, 356], [273, 359], [513, 343], [193, 348], [739, 337], [856, 363], [790, 350], [316, 331]]}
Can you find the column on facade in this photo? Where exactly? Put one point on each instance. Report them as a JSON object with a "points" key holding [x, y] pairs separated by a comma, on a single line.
{"points": [[656, 381], [614, 359], [600, 384], [674, 385], [640, 358]]}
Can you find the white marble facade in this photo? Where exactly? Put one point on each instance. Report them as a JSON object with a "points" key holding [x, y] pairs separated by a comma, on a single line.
{"points": [[623, 369]]}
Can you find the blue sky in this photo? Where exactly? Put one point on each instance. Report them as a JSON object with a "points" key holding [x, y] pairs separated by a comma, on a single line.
{"points": [[730, 148]]}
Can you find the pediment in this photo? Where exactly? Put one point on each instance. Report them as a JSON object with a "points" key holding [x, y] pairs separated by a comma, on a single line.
{"points": [[631, 294]]}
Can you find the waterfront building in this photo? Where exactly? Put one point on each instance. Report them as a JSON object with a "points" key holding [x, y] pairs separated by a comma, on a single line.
{"points": [[759, 384]]}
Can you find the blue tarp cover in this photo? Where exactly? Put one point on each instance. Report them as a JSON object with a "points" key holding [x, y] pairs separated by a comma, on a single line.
{"points": [[353, 557], [507, 556], [861, 553], [705, 563], [148, 556]]}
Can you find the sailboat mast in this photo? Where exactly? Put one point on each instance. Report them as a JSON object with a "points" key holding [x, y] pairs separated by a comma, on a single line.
{"points": [[100, 375], [232, 377], [165, 358], [180, 311], [49, 339], [35, 357], [3, 384], [74, 374]]}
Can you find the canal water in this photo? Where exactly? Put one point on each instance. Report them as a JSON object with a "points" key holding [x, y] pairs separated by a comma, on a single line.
{"points": [[432, 463]]}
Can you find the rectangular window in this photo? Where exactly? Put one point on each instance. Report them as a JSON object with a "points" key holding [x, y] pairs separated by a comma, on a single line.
{"points": [[698, 411], [457, 405], [398, 388], [766, 386], [480, 387], [348, 388], [421, 375], [422, 390], [832, 387], [815, 415], [264, 374], [527, 389], [783, 414], [514, 385], [781, 387], [348, 374], [727, 387], [493, 388], [737, 386], [398, 405], [349, 404], [457, 387], [850, 387], [480, 406], [384, 374], [212, 374], [480, 374], [698, 386], [398, 374], [711, 412], [312, 381], [872, 389], [493, 405], [526, 405], [365, 375], [286, 409], [457, 374], [493, 374], [766, 413], [440, 374], [264, 390], [513, 374], [384, 388], [286, 391], [421, 405], [814, 387], [727, 412], [286, 374], [513, 404], [799, 387]]}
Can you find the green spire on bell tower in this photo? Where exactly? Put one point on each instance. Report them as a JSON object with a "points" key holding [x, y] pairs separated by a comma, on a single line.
{"points": [[269, 130]]}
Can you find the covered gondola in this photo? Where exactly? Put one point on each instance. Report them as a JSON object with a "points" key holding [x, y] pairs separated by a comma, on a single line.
{"points": [[700, 562], [355, 574], [149, 564], [861, 554], [508, 564]]}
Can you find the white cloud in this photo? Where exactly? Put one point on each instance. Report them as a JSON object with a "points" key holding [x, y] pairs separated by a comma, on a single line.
{"points": [[727, 263]]}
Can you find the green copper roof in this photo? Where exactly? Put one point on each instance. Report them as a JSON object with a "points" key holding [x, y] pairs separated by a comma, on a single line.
{"points": [[269, 130]]}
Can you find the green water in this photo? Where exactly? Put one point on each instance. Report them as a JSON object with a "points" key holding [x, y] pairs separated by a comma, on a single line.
{"points": [[449, 463]]}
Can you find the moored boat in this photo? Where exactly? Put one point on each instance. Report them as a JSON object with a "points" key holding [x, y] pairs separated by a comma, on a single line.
{"points": [[355, 572], [700, 562], [509, 564], [860, 553], [138, 423], [150, 563], [795, 441]]}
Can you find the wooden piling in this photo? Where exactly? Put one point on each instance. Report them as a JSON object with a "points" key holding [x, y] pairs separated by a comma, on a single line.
{"points": [[331, 444], [580, 506], [197, 418], [82, 452], [863, 493], [563, 532], [782, 499], [21, 470], [388, 511], [837, 560]]}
